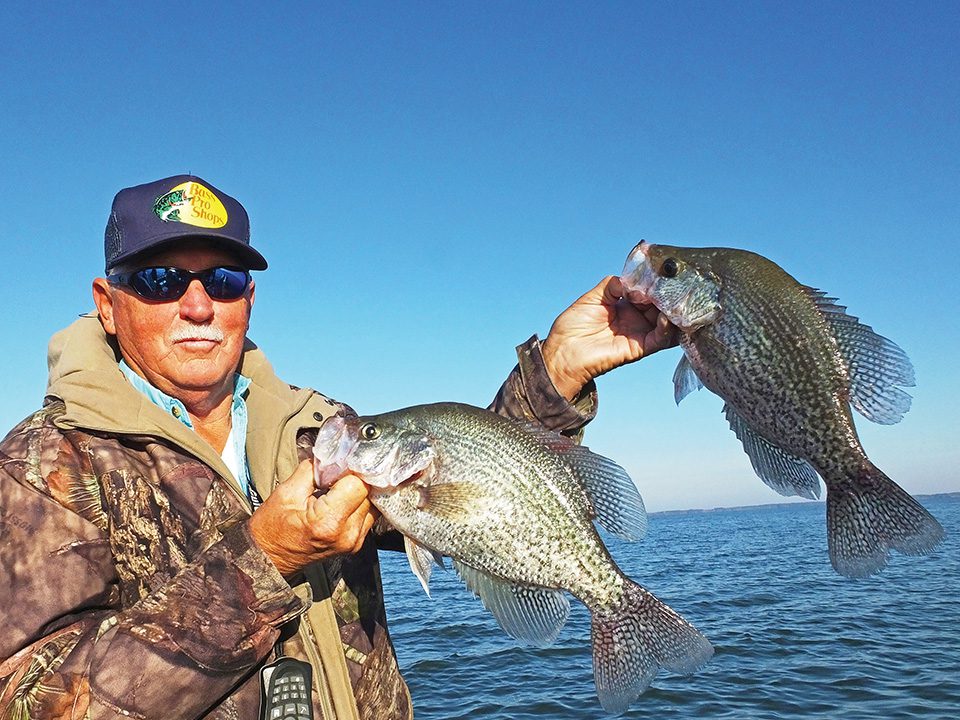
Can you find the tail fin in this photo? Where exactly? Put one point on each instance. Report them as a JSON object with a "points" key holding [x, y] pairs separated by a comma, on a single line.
{"points": [[631, 642], [868, 514]]}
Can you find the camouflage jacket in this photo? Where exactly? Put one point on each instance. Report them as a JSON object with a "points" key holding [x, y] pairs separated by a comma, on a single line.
{"points": [[130, 583]]}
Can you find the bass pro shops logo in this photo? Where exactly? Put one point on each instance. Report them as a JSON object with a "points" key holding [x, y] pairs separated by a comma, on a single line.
{"points": [[193, 204]]}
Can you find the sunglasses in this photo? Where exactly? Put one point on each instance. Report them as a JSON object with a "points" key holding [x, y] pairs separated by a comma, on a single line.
{"points": [[169, 283]]}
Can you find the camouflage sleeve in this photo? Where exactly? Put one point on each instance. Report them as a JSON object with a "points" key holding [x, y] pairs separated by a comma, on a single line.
{"points": [[529, 394], [71, 648]]}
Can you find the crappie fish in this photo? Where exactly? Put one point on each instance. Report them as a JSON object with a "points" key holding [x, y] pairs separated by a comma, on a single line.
{"points": [[789, 362], [512, 504]]}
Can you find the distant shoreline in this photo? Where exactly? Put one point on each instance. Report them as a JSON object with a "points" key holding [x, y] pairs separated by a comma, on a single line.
{"points": [[769, 506]]}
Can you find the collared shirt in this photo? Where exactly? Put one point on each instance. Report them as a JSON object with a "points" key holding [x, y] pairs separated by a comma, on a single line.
{"points": [[234, 453]]}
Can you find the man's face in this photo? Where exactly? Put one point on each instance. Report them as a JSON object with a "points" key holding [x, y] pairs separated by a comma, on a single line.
{"points": [[186, 346]]}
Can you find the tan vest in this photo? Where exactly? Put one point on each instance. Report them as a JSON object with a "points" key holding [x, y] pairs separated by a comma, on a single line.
{"points": [[84, 374]]}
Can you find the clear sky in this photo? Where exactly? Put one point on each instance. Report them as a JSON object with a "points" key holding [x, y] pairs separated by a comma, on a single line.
{"points": [[434, 182]]}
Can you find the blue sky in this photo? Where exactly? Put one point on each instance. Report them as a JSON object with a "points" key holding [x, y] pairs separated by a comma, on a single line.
{"points": [[434, 182]]}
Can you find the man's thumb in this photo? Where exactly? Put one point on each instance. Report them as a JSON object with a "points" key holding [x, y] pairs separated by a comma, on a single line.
{"points": [[301, 481]]}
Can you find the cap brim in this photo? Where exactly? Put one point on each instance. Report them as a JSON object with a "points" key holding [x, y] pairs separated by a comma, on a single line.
{"points": [[248, 256]]}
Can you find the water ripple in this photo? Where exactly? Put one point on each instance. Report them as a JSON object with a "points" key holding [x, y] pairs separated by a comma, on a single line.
{"points": [[793, 640]]}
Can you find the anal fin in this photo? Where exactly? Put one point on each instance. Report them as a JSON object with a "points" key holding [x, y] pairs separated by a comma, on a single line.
{"points": [[528, 613], [785, 473]]}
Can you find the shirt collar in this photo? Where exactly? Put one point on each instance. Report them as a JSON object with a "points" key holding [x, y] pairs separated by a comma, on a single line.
{"points": [[173, 406]]}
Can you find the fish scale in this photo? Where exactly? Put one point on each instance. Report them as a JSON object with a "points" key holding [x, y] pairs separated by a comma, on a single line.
{"points": [[513, 505], [465, 457], [788, 397], [789, 362]]}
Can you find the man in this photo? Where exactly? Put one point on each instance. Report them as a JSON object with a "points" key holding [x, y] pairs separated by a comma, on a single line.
{"points": [[160, 537]]}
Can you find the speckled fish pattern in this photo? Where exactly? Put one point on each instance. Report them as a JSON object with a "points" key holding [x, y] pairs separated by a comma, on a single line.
{"points": [[788, 362]]}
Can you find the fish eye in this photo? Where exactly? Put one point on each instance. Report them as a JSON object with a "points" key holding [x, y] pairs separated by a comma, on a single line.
{"points": [[369, 431], [669, 268]]}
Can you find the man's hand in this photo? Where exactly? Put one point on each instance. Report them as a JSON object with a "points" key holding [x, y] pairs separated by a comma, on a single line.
{"points": [[599, 332], [295, 527]]}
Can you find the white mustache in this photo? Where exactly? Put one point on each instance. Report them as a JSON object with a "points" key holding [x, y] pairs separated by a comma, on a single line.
{"points": [[197, 332]]}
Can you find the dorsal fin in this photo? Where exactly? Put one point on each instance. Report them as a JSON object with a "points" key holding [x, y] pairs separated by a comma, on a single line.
{"points": [[878, 367], [612, 493]]}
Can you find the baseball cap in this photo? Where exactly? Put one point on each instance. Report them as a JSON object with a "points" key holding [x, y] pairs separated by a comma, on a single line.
{"points": [[157, 214]]}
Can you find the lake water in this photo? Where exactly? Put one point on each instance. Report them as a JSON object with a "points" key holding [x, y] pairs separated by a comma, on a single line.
{"points": [[793, 639]]}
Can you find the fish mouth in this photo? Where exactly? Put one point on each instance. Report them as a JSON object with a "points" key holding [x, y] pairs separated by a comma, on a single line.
{"points": [[638, 277], [336, 439], [336, 452]]}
